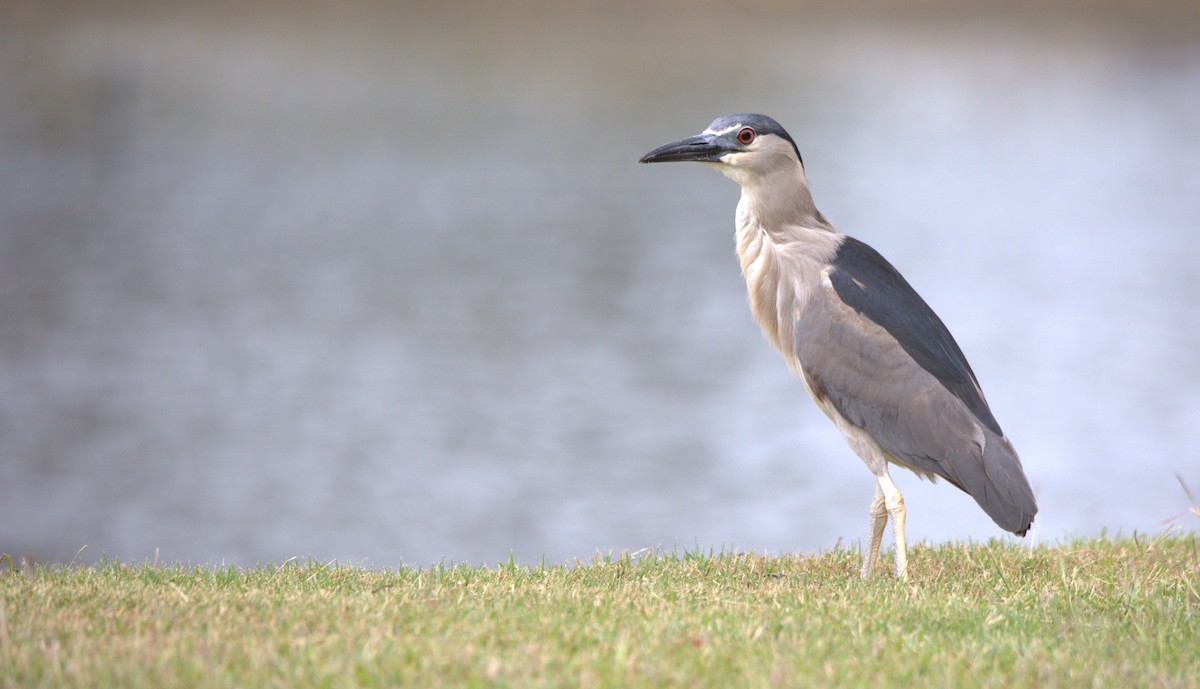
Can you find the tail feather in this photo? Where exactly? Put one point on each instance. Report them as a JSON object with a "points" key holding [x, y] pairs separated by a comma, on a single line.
{"points": [[1002, 489]]}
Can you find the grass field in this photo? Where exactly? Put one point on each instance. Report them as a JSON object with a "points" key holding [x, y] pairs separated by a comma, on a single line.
{"points": [[1119, 612]]}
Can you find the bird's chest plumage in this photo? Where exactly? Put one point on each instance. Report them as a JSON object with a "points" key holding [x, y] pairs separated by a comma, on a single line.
{"points": [[782, 272]]}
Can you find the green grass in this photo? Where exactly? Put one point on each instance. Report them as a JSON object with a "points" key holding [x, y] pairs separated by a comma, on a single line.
{"points": [[1103, 613]]}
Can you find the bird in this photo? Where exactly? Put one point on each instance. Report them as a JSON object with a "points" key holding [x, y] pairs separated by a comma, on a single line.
{"points": [[873, 355]]}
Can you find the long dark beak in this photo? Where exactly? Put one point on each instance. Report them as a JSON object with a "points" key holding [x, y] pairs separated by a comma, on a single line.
{"points": [[705, 148]]}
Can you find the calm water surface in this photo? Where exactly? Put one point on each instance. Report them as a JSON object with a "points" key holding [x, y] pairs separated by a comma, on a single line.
{"points": [[384, 284]]}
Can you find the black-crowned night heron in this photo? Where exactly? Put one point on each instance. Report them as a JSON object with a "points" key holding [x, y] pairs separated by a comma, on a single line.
{"points": [[874, 356]]}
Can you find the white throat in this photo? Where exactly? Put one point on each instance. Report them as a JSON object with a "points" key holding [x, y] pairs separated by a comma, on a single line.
{"points": [[798, 250]]}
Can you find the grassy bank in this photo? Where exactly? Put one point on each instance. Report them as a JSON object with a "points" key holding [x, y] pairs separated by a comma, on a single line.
{"points": [[1119, 613]]}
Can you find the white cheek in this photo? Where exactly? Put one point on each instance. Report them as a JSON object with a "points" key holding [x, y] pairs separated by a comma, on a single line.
{"points": [[731, 166]]}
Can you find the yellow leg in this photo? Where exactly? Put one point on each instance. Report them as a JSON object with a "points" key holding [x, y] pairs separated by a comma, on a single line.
{"points": [[888, 502], [879, 517], [894, 503]]}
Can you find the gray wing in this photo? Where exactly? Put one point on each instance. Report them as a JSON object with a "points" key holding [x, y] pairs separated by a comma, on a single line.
{"points": [[887, 364]]}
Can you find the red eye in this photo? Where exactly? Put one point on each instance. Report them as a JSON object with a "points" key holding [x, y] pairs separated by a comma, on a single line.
{"points": [[746, 136]]}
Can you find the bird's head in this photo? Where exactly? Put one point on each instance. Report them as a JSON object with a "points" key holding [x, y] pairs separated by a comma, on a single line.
{"points": [[747, 148]]}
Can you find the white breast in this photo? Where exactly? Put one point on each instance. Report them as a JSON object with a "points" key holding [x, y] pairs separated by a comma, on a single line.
{"points": [[783, 271]]}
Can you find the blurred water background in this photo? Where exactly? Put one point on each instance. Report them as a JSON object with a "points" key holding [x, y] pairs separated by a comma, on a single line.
{"points": [[383, 283]]}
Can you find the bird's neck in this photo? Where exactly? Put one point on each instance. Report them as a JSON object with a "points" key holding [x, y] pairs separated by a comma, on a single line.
{"points": [[783, 244], [780, 199]]}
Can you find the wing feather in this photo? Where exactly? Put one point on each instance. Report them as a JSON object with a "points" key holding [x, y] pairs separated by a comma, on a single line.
{"points": [[868, 283], [888, 365]]}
